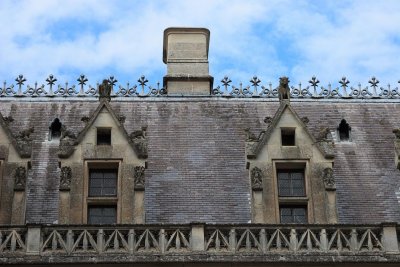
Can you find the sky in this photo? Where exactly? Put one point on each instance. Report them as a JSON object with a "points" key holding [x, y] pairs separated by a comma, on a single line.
{"points": [[263, 38]]}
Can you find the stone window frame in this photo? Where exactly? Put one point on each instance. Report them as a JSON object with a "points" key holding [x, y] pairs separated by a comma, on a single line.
{"points": [[103, 128], [101, 201], [282, 129], [285, 164]]}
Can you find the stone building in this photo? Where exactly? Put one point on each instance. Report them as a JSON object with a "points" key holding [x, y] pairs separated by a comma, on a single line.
{"points": [[196, 174]]}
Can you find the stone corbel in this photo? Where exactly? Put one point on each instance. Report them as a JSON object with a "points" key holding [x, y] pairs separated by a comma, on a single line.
{"points": [[139, 142], [139, 178], [67, 143], [325, 142], [24, 142], [20, 179], [252, 143], [65, 178], [256, 179]]}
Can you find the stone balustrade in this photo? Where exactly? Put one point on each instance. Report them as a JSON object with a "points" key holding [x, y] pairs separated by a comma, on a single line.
{"points": [[199, 242]]}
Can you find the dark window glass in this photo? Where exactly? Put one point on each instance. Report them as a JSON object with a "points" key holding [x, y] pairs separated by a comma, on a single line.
{"points": [[103, 136], [344, 130], [103, 183], [293, 214], [102, 214], [291, 183], [55, 128], [288, 137]]}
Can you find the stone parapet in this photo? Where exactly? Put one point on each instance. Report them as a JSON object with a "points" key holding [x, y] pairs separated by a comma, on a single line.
{"points": [[60, 244]]}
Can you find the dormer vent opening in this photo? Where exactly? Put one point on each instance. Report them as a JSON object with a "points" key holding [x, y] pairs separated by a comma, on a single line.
{"points": [[344, 130], [55, 129], [288, 136]]}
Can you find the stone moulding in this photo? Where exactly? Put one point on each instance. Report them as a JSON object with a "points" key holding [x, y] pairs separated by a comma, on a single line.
{"points": [[219, 243]]}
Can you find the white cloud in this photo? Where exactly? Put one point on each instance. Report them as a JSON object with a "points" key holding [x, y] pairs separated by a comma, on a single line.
{"points": [[265, 38]]}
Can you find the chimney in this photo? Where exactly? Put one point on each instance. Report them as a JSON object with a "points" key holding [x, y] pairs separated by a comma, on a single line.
{"points": [[185, 51]]}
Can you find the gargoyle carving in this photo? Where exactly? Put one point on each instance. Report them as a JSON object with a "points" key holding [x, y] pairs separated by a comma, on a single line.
{"points": [[139, 177], [67, 142], [65, 178], [329, 179], [24, 142], [105, 90], [256, 179], [283, 89], [325, 142], [139, 141], [20, 178]]}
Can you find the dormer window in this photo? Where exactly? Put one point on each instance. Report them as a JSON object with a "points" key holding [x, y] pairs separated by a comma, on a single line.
{"points": [[103, 136], [288, 136], [55, 129], [344, 130]]}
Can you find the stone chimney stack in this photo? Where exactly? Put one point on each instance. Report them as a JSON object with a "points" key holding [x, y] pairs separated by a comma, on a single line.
{"points": [[185, 51]]}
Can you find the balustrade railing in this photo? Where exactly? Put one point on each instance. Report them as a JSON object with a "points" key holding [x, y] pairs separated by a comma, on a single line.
{"points": [[200, 238], [254, 89]]}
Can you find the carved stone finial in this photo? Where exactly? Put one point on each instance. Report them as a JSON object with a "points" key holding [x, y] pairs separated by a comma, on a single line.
{"points": [[139, 141], [283, 89], [139, 177], [268, 120], [20, 178], [256, 179], [121, 118], [305, 120], [105, 90], [250, 137], [323, 134], [65, 178], [329, 179], [85, 119]]}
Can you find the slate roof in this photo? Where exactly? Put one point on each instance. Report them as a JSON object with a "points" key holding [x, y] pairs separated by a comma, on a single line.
{"points": [[196, 156]]}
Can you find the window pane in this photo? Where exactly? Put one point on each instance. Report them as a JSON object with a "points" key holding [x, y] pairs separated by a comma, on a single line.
{"points": [[102, 214], [103, 183], [293, 214], [291, 183]]}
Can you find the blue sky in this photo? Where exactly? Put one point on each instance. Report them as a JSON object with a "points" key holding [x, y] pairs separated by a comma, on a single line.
{"points": [[269, 39]]}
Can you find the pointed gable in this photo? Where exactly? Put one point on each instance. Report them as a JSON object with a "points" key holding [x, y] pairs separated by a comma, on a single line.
{"points": [[286, 117], [21, 145], [105, 117]]}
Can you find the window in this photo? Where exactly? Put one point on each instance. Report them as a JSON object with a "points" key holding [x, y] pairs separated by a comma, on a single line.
{"points": [[102, 214], [103, 136], [102, 191], [344, 130], [292, 196], [293, 214], [291, 183], [103, 182], [288, 136]]}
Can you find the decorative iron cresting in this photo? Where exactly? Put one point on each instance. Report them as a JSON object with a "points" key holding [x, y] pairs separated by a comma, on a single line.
{"points": [[254, 90]]}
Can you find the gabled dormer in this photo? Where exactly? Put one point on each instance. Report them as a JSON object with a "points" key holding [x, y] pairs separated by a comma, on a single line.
{"points": [[15, 153], [292, 170], [102, 170]]}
